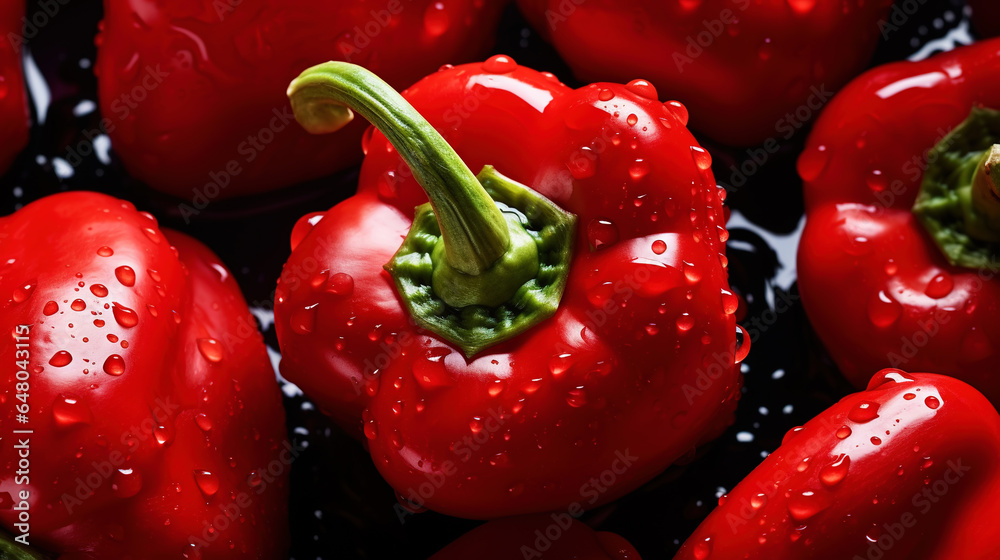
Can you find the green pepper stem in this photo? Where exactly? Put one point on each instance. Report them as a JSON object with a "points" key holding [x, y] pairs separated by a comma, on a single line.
{"points": [[986, 192], [475, 231]]}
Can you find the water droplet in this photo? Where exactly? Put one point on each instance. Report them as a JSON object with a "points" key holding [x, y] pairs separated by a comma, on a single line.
{"points": [[812, 163], [164, 434], [24, 291], [396, 439], [496, 387], [126, 483], [203, 422], [78, 305], [68, 410], [909, 396], [876, 440], [431, 372], [863, 412], [702, 549], [576, 397], [642, 88], [51, 308], [932, 402], [583, 163], [832, 474], [560, 363], [691, 273], [940, 286], [99, 290], [883, 310], [436, 20], [802, 7], [210, 349], [125, 275], [638, 169], [843, 432], [730, 303], [152, 234], [114, 365], [499, 460], [124, 316], [601, 234], [659, 246], [891, 268], [758, 501], [340, 284], [605, 94], [678, 110], [632, 119], [685, 322], [702, 158], [499, 64], [476, 425], [805, 504], [207, 482], [876, 180], [303, 320], [61, 358], [742, 345]]}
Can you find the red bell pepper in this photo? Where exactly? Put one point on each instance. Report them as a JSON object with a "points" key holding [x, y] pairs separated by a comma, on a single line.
{"points": [[480, 391], [747, 70], [192, 93], [876, 285], [908, 469], [13, 98], [557, 536], [156, 426]]}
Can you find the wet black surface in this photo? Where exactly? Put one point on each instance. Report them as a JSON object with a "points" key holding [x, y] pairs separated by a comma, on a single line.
{"points": [[340, 506]]}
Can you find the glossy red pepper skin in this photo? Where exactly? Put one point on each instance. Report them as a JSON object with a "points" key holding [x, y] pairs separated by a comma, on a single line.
{"points": [[742, 67], [525, 425], [907, 469], [13, 97], [555, 537], [188, 87], [142, 380], [876, 288]]}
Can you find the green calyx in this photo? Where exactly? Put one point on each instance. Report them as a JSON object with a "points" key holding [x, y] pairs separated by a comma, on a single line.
{"points": [[487, 258], [959, 199], [11, 550]]}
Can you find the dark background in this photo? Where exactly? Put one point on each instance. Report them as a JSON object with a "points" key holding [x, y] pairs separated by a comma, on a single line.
{"points": [[340, 507]]}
